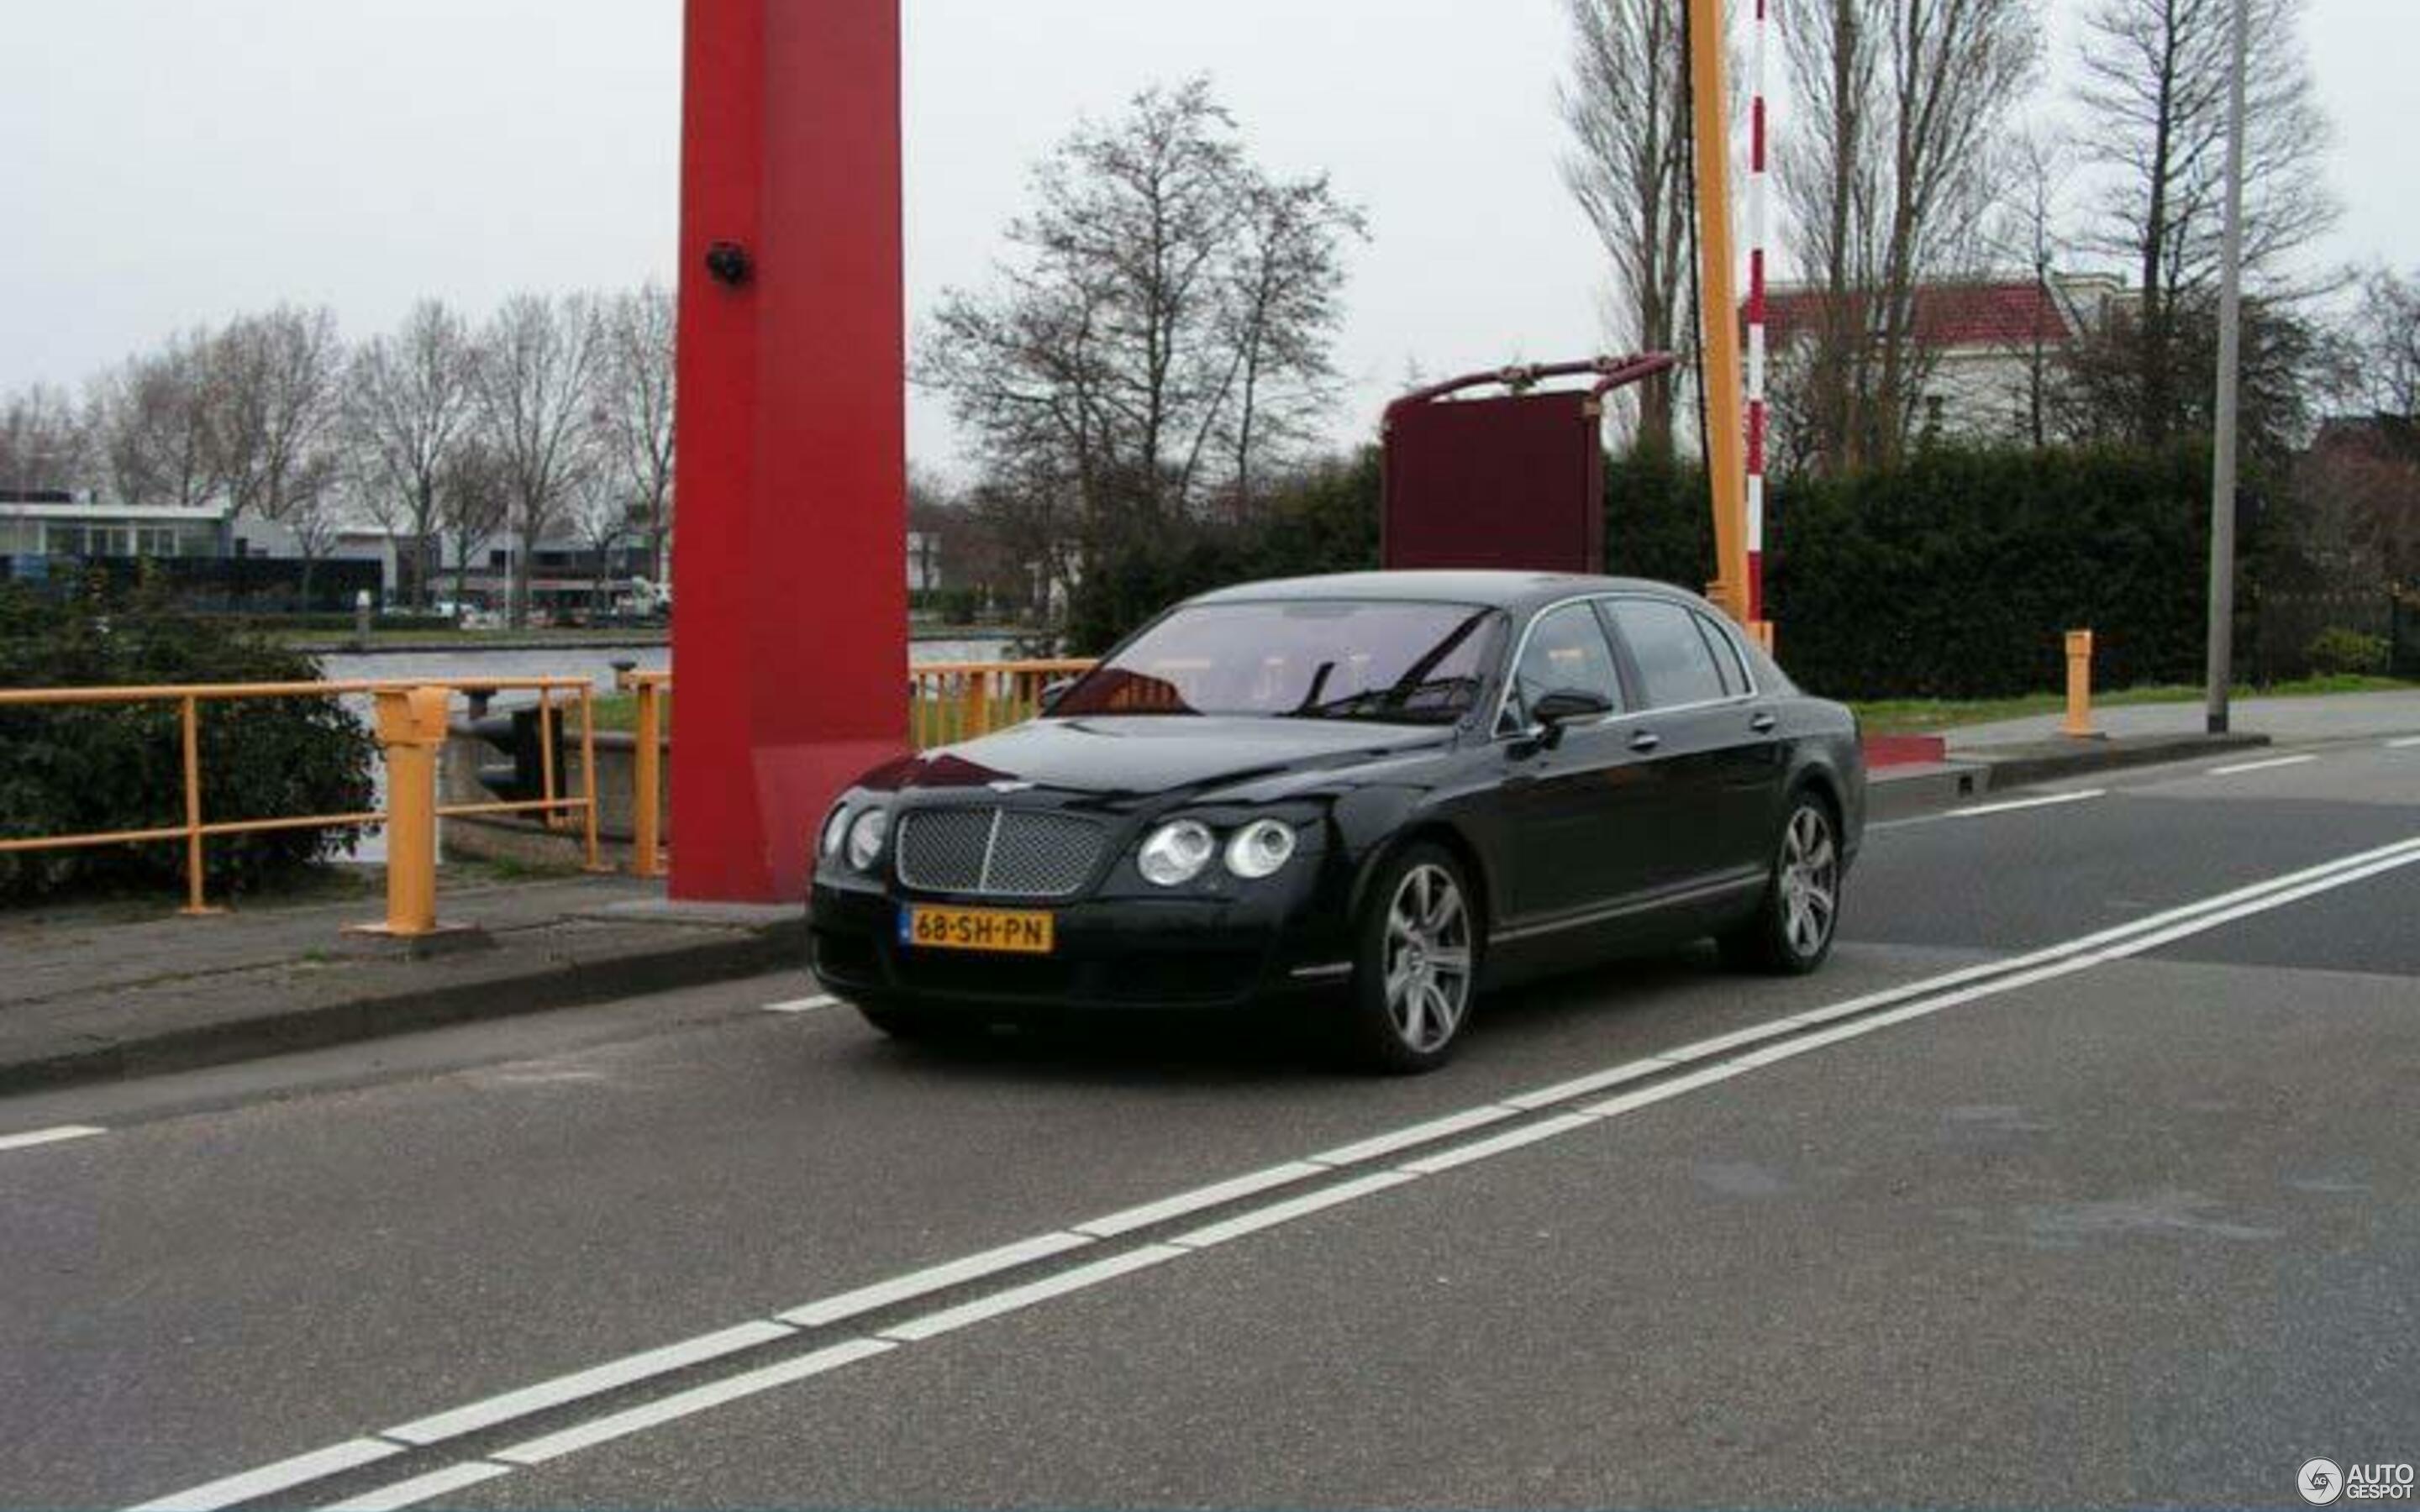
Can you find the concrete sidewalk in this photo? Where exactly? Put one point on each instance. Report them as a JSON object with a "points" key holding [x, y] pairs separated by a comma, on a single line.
{"points": [[83, 999], [2288, 721]]}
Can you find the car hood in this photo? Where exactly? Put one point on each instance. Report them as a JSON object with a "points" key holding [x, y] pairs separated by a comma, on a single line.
{"points": [[1144, 756]]}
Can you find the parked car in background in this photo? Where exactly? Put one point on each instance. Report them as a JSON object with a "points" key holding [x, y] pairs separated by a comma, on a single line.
{"points": [[1396, 791]]}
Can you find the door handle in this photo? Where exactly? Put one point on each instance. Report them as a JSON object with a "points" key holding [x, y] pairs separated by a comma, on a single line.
{"points": [[1765, 722], [1645, 741]]}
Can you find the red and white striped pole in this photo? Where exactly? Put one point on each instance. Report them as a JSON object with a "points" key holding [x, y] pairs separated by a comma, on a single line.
{"points": [[1758, 183]]}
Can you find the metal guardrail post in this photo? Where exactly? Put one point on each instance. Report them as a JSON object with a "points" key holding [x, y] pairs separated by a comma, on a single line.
{"points": [[646, 767], [189, 723], [2079, 684], [410, 730]]}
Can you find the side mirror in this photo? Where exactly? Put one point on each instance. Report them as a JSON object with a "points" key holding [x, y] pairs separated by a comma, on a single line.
{"points": [[1563, 707], [1052, 693]]}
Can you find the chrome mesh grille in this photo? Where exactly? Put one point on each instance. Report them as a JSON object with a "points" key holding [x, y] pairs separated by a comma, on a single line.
{"points": [[1001, 853]]}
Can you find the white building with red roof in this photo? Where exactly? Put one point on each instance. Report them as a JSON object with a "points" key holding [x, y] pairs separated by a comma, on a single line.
{"points": [[1983, 344]]}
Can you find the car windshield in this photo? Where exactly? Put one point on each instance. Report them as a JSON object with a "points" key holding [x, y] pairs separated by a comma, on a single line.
{"points": [[1394, 663]]}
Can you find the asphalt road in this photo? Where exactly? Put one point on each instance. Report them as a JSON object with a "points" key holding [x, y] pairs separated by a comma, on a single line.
{"points": [[2082, 1175]]}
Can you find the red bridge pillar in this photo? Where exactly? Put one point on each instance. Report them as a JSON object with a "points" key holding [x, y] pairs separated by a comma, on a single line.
{"points": [[789, 647]]}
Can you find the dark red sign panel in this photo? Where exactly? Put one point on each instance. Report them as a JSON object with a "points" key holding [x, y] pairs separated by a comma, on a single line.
{"points": [[1516, 482]]}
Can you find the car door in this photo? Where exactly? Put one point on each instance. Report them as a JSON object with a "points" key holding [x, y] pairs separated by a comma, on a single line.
{"points": [[1697, 735], [1568, 803]]}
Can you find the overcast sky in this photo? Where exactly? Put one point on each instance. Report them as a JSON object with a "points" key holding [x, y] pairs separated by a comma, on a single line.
{"points": [[169, 163]]}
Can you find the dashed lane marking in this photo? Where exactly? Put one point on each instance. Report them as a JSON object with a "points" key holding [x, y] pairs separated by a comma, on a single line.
{"points": [[802, 1005], [2014, 804], [49, 1136], [2271, 764]]}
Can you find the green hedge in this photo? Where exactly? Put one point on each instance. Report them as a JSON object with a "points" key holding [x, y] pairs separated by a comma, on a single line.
{"points": [[91, 769], [1958, 575], [1954, 576]]}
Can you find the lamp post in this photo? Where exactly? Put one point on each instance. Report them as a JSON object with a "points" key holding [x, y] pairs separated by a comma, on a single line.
{"points": [[2220, 673]]}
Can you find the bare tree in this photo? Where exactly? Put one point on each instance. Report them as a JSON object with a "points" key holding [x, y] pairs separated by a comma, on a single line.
{"points": [[408, 405], [43, 440], [634, 401], [473, 502], [2154, 87], [2387, 337], [537, 364], [598, 509], [1284, 302], [2027, 234], [1626, 107], [273, 408], [1165, 306], [149, 429], [1890, 193]]}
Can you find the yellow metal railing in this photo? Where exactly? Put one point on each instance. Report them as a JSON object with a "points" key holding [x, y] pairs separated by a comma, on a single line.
{"points": [[411, 728], [954, 701], [947, 702], [646, 770]]}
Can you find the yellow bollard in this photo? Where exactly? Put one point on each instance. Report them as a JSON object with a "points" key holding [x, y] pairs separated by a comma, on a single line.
{"points": [[646, 823], [412, 729], [2079, 684]]}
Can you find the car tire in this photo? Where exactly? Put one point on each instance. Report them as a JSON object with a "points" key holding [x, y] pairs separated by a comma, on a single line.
{"points": [[1415, 964], [1791, 931]]}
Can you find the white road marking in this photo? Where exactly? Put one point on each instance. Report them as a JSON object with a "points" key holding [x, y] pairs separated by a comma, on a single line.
{"points": [[932, 1325], [2405, 744], [931, 1279], [2014, 804], [1800, 1034], [1214, 1195], [1291, 1209], [420, 1489], [1418, 1134], [802, 1005], [1579, 1086], [2270, 765], [1529, 1133], [696, 1399], [49, 1136], [589, 1383], [284, 1475]]}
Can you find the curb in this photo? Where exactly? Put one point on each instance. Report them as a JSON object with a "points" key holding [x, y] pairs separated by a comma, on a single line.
{"points": [[1900, 792], [2049, 760], [554, 984]]}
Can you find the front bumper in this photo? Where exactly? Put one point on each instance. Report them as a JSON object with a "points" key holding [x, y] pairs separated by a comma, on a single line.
{"points": [[1111, 953]]}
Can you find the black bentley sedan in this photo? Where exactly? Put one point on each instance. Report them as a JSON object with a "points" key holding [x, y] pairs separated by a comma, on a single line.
{"points": [[1385, 792]]}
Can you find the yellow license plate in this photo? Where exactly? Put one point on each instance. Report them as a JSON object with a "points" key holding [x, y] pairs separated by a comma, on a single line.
{"points": [[998, 930]]}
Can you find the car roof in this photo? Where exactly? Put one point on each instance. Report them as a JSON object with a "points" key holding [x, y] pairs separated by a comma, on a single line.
{"points": [[1515, 590]]}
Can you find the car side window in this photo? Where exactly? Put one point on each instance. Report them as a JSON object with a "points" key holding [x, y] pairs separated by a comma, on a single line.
{"points": [[1727, 656], [1675, 664], [1566, 652]]}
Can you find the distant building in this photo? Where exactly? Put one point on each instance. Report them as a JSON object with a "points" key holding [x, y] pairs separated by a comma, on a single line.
{"points": [[57, 523], [1982, 343]]}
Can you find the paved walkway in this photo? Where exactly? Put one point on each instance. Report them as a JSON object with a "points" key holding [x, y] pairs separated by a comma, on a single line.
{"points": [[2286, 721], [86, 996]]}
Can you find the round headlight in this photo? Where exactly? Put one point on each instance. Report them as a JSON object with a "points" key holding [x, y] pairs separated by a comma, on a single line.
{"points": [[1260, 848], [835, 831], [1176, 854], [865, 838]]}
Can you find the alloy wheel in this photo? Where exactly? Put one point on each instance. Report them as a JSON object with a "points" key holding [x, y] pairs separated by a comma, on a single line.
{"points": [[1428, 961], [1810, 881]]}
